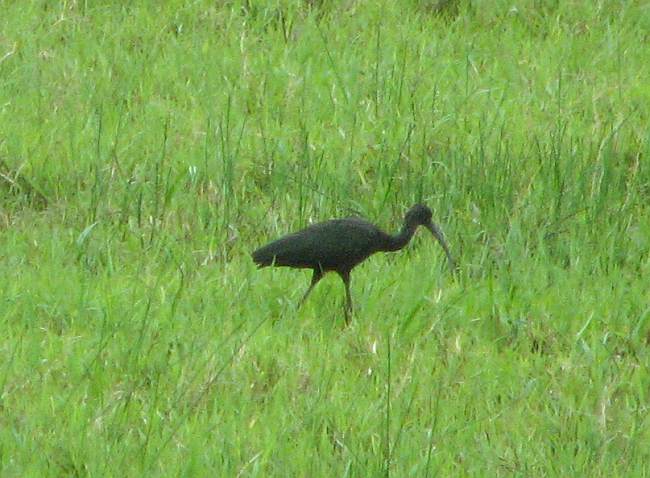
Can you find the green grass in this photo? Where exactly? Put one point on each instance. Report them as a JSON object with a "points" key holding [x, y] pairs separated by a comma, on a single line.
{"points": [[147, 148]]}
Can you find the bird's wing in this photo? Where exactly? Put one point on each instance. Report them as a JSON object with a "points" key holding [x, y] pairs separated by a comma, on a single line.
{"points": [[329, 245]]}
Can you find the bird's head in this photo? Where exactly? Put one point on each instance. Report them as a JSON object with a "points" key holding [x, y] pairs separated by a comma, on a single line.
{"points": [[420, 215]]}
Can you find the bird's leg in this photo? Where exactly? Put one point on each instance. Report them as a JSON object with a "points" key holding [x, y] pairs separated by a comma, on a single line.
{"points": [[318, 275], [345, 276]]}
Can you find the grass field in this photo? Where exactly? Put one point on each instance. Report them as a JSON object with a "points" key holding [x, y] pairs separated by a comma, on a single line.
{"points": [[147, 148]]}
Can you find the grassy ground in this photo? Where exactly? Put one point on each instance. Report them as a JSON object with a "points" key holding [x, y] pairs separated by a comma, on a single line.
{"points": [[146, 149]]}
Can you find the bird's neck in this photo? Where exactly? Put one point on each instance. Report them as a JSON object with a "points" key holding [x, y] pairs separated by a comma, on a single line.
{"points": [[402, 238]]}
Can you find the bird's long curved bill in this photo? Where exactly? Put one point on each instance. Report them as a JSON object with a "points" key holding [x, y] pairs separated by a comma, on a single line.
{"points": [[437, 233]]}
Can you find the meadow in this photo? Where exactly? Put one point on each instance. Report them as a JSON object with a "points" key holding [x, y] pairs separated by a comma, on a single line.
{"points": [[146, 148]]}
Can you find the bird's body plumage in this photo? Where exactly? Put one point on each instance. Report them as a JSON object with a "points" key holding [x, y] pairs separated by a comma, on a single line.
{"points": [[326, 246]]}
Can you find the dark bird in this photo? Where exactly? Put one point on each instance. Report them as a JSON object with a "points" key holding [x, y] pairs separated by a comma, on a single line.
{"points": [[339, 245]]}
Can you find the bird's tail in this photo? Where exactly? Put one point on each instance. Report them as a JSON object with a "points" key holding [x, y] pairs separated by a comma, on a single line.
{"points": [[260, 259]]}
